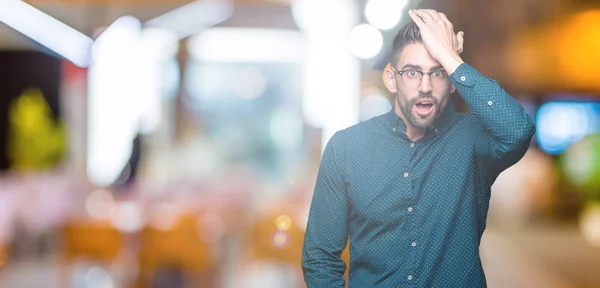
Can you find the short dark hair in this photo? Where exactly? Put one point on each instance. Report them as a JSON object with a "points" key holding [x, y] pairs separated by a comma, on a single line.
{"points": [[408, 34]]}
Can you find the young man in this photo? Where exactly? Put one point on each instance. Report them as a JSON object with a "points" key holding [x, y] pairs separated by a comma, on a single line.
{"points": [[411, 188]]}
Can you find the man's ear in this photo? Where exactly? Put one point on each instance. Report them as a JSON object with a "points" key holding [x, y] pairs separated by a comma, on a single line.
{"points": [[452, 88], [389, 79]]}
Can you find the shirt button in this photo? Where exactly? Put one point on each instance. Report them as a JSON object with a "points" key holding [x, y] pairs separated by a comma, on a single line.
{"points": [[436, 130], [414, 244], [490, 103], [409, 209], [405, 174], [463, 78], [409, 277], [394, 129], [412, 144]]}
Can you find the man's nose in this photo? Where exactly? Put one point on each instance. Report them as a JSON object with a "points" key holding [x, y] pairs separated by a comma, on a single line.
{"points": [[425, 86]]}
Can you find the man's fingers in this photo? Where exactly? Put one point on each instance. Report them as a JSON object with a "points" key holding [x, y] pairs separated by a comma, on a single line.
{"points": [[428, 15], [443, 17], [461, 39], [431, 13], [415, 17]]}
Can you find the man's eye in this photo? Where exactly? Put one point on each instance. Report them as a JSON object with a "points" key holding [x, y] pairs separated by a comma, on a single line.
{"points": [[412, 73], [438, 74]]}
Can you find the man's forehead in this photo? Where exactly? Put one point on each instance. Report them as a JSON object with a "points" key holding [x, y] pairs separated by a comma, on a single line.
{"points": [[416, 55]]}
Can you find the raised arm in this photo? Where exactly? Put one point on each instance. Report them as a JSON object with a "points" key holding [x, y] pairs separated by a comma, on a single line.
{"points": [[509, 128]]}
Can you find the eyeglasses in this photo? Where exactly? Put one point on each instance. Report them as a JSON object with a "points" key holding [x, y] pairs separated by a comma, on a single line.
{"points": [[413, 78]]}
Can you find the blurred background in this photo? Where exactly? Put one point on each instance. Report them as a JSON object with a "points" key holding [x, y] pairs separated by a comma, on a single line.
{"points": [[155, 143]]}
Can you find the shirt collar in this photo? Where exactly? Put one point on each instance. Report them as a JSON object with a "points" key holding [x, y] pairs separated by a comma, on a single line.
{"points": [[397, 122]]}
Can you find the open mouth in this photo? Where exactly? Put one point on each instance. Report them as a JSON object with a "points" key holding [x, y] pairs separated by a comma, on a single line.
{"points": [[424, 107]]}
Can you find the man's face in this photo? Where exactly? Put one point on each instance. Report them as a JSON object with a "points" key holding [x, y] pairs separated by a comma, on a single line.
{"points": [[420, 103]]}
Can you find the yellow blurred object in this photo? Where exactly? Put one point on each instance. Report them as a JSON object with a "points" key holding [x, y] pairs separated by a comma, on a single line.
{"points": [[562, 55], [283, 222], [268, 242], [589, 223], [2, 255], [180, 246], [94, 240], [35, 141]]}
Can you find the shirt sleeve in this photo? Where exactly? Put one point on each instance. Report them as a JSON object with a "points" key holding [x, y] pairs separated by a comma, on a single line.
{"points": [[509, 128], [327, 229]]}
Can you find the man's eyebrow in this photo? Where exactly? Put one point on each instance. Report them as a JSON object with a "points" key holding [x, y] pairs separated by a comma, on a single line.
{"points": [[413, 66], [418, 67], [437, 68]]}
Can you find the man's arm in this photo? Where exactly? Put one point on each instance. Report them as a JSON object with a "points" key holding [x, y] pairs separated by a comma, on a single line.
{"points": [[327, 229], [508, 126]]}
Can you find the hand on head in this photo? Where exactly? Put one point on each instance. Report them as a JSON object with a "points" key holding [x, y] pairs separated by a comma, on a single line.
{"points": [[437, 33]]}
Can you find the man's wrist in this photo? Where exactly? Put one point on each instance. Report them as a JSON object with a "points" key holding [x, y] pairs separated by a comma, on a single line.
{"points": [[450, 62]]}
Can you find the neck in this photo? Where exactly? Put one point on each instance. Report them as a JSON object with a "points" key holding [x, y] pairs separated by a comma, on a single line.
{"points": [[413, 133]]}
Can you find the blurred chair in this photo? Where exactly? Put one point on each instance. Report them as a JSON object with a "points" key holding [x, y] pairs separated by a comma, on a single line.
{"points": [[178, 250], [272, 250], [270, 256], [3, 256], [93, 241]]}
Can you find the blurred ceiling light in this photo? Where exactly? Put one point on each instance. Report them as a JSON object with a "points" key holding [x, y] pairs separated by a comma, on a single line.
{"points": [[192, 18], [365, 41], [113, 102], [247, 45], [325, 103], [46, 30], [159, 43], [384, 14], [126, 28], [318, 15], [157, 47]]}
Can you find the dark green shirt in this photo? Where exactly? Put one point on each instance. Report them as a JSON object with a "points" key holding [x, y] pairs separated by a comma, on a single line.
{"points": [[414, 212]]}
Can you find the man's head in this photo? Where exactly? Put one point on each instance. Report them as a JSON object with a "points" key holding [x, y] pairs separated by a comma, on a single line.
{"points": [[420, 83]]}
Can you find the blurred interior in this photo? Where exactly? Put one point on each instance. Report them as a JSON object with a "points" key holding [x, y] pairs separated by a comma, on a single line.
{"points": [[155, 143]]}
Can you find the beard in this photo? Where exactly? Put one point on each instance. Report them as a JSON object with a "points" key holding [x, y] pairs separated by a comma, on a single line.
{"points": [[414, 119]]}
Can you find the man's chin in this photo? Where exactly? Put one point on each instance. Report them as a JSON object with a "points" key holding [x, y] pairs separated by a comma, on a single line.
{"points": [[421, 123]]}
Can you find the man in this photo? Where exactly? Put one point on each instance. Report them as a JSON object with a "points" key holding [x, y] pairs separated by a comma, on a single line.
{"points": [[411, 188]]}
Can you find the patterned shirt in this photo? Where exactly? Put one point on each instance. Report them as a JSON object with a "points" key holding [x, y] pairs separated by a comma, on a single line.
{"points": [[413, 211]]}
